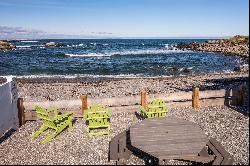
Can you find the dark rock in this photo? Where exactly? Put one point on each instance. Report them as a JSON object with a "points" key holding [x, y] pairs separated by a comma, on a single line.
{"points": [[184, 46], [60, 44], [237, 69], [187, 70], [243, 68]]}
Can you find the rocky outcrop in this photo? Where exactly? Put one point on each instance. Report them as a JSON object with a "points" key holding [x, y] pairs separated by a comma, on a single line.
{"points": [[4, 45], [54, 44], [235, 46]]}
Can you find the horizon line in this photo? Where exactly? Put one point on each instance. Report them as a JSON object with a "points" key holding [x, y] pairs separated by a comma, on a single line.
{"points": [[170, 37]]}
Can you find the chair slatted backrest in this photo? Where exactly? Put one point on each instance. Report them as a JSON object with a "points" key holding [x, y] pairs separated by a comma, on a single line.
{"points": [[43, 115], [97, 115], [156, 108]]}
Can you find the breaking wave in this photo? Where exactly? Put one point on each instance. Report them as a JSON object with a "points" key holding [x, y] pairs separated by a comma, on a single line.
{"points": [[28, 46], [88, 55], [134, 52], [29, 41]]}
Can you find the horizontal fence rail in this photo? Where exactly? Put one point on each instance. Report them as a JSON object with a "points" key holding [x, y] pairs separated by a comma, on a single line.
{"points": [[196, 99]]}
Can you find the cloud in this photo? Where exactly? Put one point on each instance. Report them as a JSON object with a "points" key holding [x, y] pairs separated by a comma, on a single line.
{"points": [[102, 33], [5, 30]]}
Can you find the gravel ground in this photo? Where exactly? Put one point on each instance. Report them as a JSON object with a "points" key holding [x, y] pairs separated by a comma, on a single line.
{"points": [[227, 125]]}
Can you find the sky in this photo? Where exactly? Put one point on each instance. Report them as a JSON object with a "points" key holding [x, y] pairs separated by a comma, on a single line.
{"points": [[123, 18]]}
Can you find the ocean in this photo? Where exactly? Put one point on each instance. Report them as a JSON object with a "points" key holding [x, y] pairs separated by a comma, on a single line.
{"points": [[111, 58]]}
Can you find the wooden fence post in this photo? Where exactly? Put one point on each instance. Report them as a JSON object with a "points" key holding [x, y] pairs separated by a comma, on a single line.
{"points": [[195, 97], [84, 103], [144, 99], [20, 109], [241, 96]]}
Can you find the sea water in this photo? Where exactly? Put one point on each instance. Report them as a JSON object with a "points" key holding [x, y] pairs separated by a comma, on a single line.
{"points": [[111, 58]]}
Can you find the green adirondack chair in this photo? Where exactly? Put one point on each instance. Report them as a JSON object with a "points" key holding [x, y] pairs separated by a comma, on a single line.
{"points": [[58, 122], [98, 120], [156, 108]]}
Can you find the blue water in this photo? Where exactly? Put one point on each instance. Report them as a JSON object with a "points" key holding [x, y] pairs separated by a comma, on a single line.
{"points": [[111, 57]]}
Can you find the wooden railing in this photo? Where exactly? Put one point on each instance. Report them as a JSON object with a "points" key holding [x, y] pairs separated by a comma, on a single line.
{"points": [[196, 99]]}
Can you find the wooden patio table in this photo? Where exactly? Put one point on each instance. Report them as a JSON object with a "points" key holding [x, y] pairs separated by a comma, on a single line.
{"points": [[170, 138]]}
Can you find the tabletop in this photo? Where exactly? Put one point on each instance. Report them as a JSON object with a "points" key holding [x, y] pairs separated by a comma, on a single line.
{"points": [[168, 138]]}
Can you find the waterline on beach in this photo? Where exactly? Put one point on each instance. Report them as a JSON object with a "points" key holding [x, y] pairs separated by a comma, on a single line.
{"points": [[128, 76]]}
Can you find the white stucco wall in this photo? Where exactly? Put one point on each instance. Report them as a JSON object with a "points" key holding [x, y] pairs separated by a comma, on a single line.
{"points": [[8, 106]]}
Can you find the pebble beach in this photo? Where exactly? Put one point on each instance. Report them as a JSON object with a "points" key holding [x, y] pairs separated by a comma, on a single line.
{"points": [[44, 89], [229, 126]]}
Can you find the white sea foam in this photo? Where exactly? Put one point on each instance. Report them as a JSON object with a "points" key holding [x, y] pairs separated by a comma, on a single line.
{"points": [[181, 69], [9, 78], [88, 55], [102, 76], [77, 45], [227, 71], [23, 46], [190, 68], [29, 41], [132, 52], [28, 46]]}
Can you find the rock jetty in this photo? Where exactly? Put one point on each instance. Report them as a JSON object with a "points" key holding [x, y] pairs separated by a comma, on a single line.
{"points": [[238, 45], [4, 45], [54, 44]]}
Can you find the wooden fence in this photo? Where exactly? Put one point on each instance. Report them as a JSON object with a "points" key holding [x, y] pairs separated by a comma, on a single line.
{"points": [[196, 99]]}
